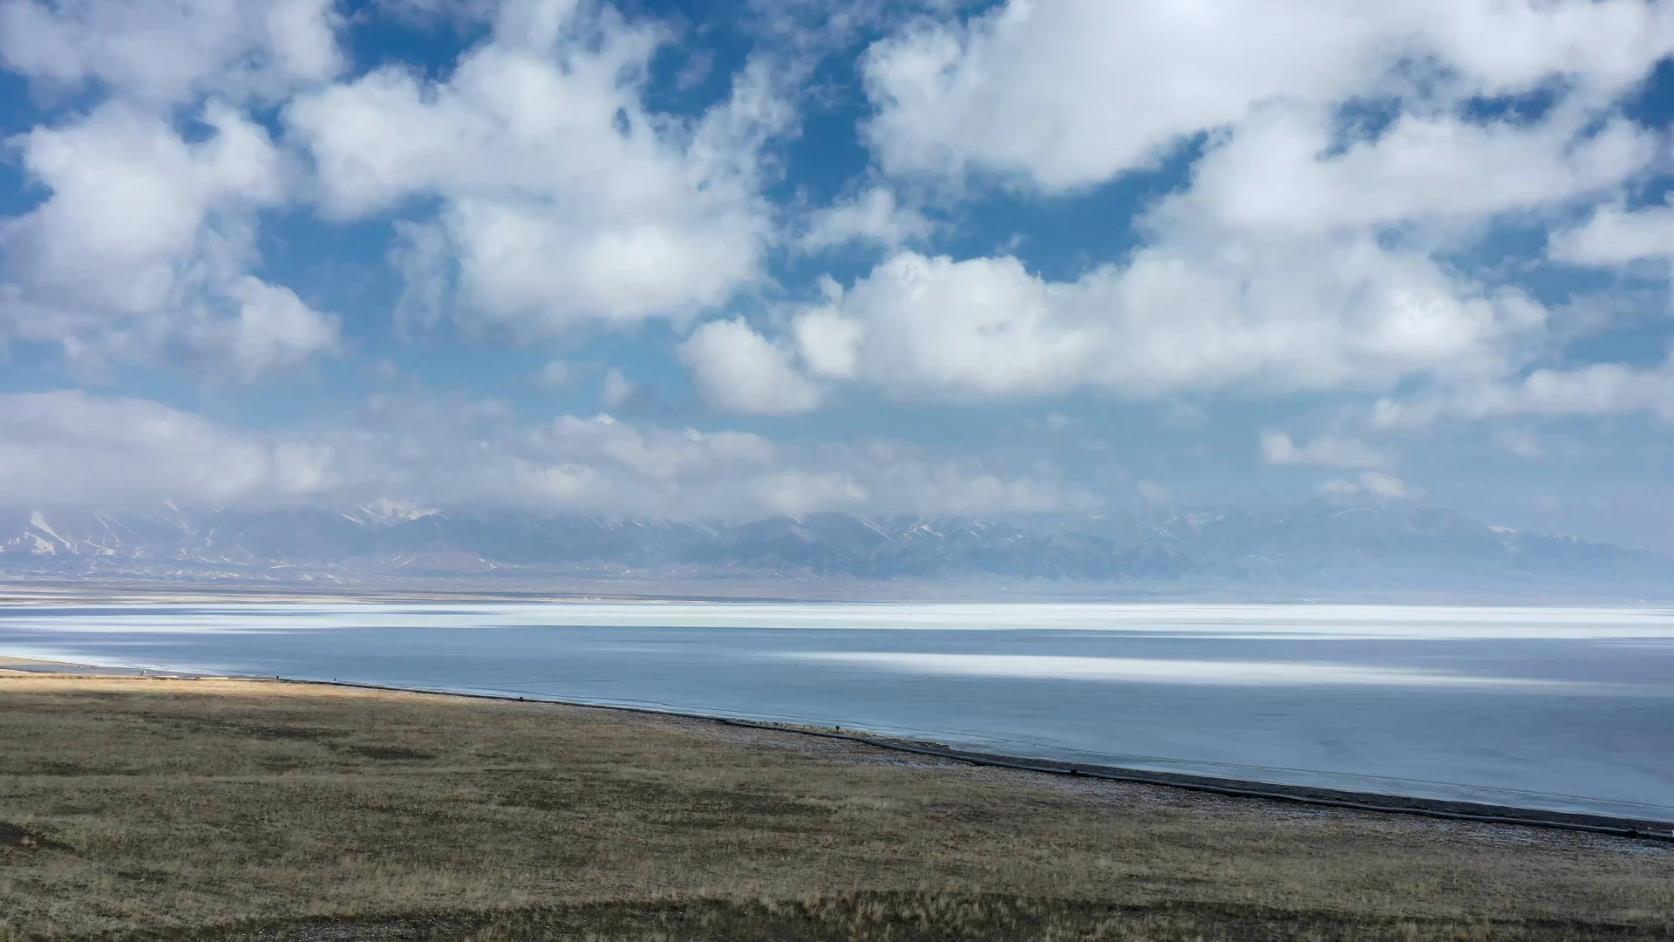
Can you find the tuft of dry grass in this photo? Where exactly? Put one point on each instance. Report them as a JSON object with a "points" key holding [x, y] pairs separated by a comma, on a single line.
{"points": [[146, 808]]}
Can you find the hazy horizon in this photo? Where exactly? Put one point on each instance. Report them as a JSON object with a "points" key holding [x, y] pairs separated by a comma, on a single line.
{"points": [[1317, 550]]}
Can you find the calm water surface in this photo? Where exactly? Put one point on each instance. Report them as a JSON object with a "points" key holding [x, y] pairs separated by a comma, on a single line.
{"points": [[1570, 709]]}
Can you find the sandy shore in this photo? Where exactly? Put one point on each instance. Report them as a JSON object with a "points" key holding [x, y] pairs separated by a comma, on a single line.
{"points": [[229, 808], [29, 665]]}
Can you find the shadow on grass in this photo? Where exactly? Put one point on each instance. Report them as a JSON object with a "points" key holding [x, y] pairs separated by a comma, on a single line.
{"points": [[899, 917]]}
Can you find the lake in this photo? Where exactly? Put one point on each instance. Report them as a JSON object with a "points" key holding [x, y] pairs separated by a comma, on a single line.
{"points": [[1557, 708]]}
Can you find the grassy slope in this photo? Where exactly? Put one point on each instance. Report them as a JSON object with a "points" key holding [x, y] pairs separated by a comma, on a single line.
{"points": [[231, 808]]}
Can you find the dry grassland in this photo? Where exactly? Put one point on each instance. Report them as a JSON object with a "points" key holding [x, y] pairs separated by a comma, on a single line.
{"points": [[140, 808]]}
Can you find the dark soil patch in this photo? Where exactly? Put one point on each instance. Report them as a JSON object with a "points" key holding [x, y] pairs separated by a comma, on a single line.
{"points": [[61, 768], [284, 733], [243, 730], [900, 917], [387, 753], [16, 835]]}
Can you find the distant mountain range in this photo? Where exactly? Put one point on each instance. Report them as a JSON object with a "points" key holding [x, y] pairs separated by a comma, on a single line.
{"points": [[1315, 549]]}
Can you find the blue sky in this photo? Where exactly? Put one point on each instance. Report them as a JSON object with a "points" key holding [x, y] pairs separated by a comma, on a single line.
{"points": [[926, 256]]}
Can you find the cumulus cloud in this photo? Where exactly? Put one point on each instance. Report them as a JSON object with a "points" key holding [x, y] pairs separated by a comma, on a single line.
{"points": [[1617, 236], [426, 12], [828, 341], [1265, 315], [737, 370], [563, 199], [873, 216], [130, 201], [144, 243], [421, 256], [1346, 161], [618, 392], [1307, 253], [1278, 172], [165, 53], [272, 330], [1327, 451], [1376, 484], [1591, 390], [1068, 94]]}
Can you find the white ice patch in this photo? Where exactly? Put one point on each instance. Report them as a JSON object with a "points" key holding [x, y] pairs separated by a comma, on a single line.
{"points": [[1161, 670], [1198, 622]]}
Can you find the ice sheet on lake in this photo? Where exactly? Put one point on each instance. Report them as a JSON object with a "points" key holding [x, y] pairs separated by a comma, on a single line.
{"points": [[1162, 670]]}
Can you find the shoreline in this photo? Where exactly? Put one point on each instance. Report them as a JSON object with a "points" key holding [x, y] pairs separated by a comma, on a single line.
{"points": [[1245, 789]]}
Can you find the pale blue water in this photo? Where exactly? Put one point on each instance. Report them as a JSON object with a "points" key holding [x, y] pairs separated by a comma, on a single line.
{"points": [[1568, 709]]}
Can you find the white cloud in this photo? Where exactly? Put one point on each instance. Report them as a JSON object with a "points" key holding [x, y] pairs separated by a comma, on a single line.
{"points": [[1154, 494], [427, 12], [1378, 484], [909, 485], [1327, 451], [555, 374], [1383, 484], [737, 370], [796, 493], [1276, 173], [536, 190], [70, 447], [421, 256], [130, 202], [1617, 236], [608, 466], [828, 342], [73, 448], [872, 216], [1070, 93], [1305, 255], [564, 200], [617, 391], [273, 329], [1264, 315], [143, 245], [167, 53], [1591, 390]]}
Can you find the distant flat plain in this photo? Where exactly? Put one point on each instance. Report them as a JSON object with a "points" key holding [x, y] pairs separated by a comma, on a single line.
{"points": [[209, 809]]}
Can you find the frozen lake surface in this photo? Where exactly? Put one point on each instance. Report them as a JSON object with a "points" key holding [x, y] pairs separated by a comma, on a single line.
{"points": [[1566, 709]]}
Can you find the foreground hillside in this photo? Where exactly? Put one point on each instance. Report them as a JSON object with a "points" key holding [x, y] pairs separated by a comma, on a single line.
{"points": [[1319, 548], [139, 808]]}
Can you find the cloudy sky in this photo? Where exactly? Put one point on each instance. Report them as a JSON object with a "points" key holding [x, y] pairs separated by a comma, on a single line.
{"points": [[741, 258]]}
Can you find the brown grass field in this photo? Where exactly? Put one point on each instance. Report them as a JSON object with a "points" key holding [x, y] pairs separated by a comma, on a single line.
{"points": [[212, 809]]}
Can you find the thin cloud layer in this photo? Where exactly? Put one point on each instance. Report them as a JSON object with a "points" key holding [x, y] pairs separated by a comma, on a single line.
{"points": [[65, 445]]}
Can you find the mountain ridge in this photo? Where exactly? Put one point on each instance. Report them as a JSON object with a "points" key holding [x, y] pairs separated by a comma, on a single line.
{"points": [[1314, 547]]}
